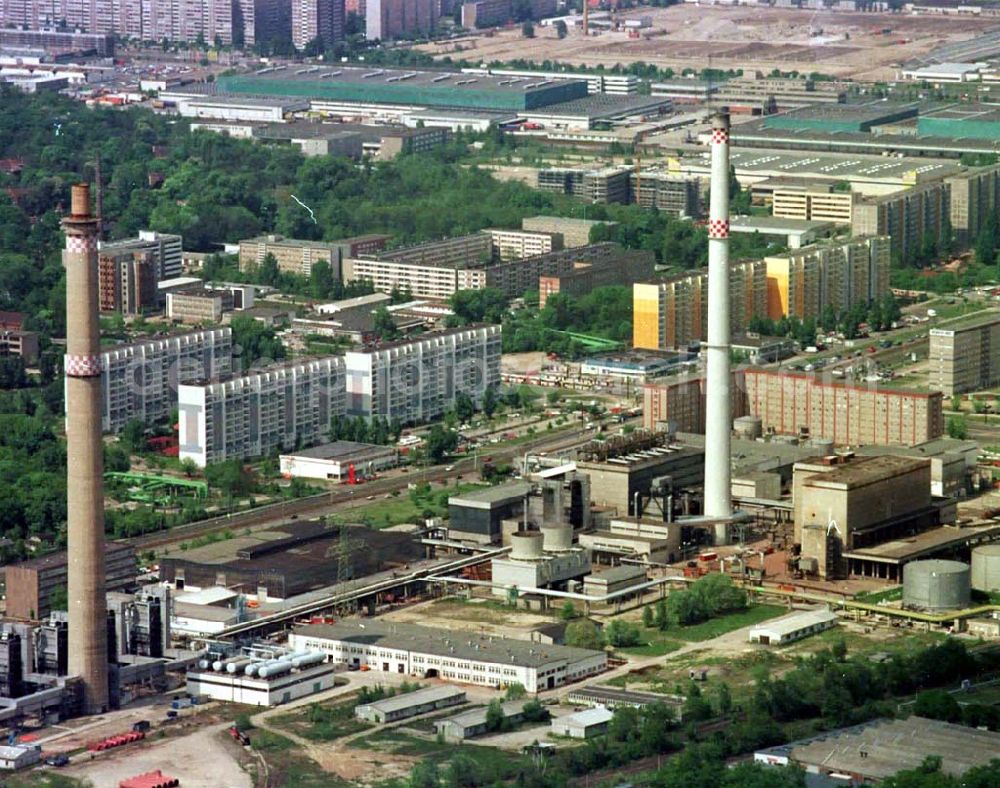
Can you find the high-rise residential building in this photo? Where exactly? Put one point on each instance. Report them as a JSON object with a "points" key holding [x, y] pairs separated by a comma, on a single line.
{"points": [[913, 218], [322, 19], [418, 379], [673, 313], [392, 18], [672, 195], [808, 406], [140, 380], [252, 414], [681, 403], [975, 197], [164, 249], [518, 244], [127, 280], [839, 274], [606, 185], [964, 354], [575, 232], [815, 202]]}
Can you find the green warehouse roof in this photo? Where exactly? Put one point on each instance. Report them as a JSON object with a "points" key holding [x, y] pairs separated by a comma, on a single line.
{"points": [[842, 117], [376, 85], [979, 121]]}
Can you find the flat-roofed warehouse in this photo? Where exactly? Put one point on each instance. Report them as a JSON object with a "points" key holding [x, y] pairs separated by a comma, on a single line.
{"points": [[330, 87], [843, 117], [289, 560], [461, 656], [874, 751]]}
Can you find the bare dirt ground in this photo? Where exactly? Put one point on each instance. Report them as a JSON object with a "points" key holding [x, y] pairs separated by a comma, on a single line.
{"points": [[848, 45]]}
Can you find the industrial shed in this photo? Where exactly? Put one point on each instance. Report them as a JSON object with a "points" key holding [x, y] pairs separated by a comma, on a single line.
{"points": [[788, 629], [584, 724], [470, 724], [410, 704]]}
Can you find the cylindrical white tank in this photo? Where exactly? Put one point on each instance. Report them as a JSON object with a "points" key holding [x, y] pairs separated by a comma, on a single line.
{"points": [[204, 664], [217, 665], [313, 658], [557, 538], [237, 665], [936, 585], [274, 669], [986, 567], [526, 545]]}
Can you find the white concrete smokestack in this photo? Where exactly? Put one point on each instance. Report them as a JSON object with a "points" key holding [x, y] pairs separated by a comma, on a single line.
{"points": [[718, 415]]}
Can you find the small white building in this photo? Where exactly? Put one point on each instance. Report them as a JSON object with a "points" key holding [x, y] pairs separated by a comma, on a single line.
{"points": [[333, 461], [584, 724], [19, 756], [257, 691], [410, 704], [790, 628]]}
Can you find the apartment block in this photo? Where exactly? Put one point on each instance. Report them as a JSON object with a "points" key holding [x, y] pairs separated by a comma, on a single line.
{"points": [[399, 141], [681, 403], [575, 232], [910, 217], [838, 273], [250, 415], [127, 280], [964, 354], [608, 185], [164, 249], [626, 267], [391, 18], [810, 406], [675, 196], [296, 256], [673, 313], [317, 19], [518, 244], [25, 16], [818, 202], [19, 343], [140, 380], [199, 305], [975, 197], [418, 379]]}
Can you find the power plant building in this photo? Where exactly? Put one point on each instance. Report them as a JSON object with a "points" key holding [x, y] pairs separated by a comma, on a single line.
{"points": [[418, 379], [964, 354], [141, 380], [250, 415], [808, 406], [837, 274]]}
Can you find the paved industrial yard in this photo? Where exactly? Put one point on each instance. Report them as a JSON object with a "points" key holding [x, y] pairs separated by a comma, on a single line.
{"points": [[693, 36]]}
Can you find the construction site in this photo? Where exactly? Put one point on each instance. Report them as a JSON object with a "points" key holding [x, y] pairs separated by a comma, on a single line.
{"points": [[845, 44]]}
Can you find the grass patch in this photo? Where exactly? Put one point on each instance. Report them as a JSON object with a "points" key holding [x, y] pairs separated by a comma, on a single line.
{"points": [[499, 764], [39, 779], [657, 644], [386, 512], [288, 765], [323, 722], [714, 627], [885, 595]]}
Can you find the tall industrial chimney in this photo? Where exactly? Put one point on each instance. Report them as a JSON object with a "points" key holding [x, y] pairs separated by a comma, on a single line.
{"points": [[718, 415], [88, 634]]}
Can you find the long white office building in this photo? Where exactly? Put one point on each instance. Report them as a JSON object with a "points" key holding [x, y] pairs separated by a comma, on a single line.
{"points": [[253, 414], [166, 249], [140, 379], [418, 379]]}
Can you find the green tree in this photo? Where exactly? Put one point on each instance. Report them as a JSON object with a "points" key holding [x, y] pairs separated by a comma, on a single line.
{"points": [[621, 633], [515, 691], [647, 616], [495, 719], [58, 598], [133, 436], [321, 280], [425, 775], [583, 633], [528, 30], [937, 705], [560, 27], [439, 442], [490, 402], [958, 427], [534, 711], [384, 326], [254, 342], [568, 611], [231, 477], [464, 407], [269, 273], [723, 699]]}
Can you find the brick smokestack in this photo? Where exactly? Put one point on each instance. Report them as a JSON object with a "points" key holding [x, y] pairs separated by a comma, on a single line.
{"points": [[718, 415], [88, 638]]}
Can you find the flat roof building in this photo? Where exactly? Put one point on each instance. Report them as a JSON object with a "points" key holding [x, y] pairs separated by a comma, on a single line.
{"points": [[286, 686], [583, 724], [337, 460], [964, 354], [459, 656], [477, 516], [877, 750], [296, 256], [575, 232]]}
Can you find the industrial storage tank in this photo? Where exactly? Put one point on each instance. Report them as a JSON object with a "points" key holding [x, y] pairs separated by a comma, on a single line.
{"points": [[557, 538], [936, 585], [526, 545], [986, 567]]}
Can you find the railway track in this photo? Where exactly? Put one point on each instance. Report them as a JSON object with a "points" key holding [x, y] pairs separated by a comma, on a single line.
{"points": [[345, 497]]}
